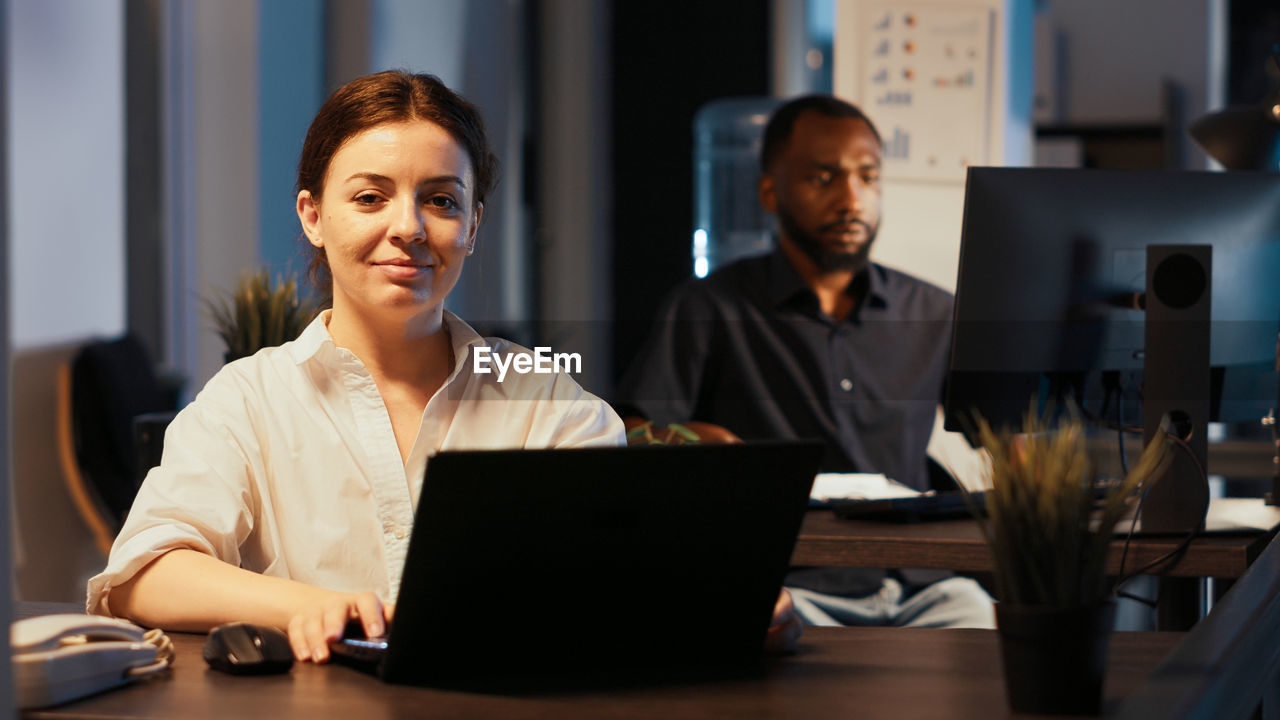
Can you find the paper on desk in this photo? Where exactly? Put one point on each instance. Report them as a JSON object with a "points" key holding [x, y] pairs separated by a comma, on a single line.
{"points": [[1231, 515], [865, 486], [1228, 514], [970, 466]]}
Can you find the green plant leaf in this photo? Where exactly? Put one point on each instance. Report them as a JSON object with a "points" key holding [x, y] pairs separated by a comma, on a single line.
{"points": [[1048, 542], [259, 313]]}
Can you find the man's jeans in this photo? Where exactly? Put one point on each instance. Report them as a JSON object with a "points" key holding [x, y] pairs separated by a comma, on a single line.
{"points": [[955, 602]]}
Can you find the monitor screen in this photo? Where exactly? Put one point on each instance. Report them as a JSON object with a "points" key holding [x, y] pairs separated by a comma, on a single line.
{"points": [[1051, 282]]}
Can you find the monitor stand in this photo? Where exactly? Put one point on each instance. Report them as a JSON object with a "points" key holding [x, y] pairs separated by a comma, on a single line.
{"points": [[1176, 382]]}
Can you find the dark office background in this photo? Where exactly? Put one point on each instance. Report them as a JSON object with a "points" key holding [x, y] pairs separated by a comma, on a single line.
{"points": [[669, 58]]}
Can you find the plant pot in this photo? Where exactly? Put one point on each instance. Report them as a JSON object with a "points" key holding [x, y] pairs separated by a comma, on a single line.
{"points": [[1055, 658]]}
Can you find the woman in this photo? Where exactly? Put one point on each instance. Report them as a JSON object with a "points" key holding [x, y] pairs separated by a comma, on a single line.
{"points": [[287, 488], [286, 493]]}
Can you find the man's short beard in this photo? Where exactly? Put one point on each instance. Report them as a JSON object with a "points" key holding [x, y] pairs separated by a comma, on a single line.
{"points": [[825, 258]]}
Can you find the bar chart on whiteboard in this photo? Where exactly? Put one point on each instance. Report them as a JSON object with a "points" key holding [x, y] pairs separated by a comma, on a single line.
{"points": [[926, 82]]}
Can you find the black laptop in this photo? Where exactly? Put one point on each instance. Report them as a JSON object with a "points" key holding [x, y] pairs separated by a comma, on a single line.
{"points": [[532, 569]]}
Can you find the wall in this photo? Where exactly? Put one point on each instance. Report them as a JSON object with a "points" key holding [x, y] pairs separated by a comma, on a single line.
{"points": [[66, 160], [920, 230], [221, 153], [1164, 64], [1144, 68], [1110, 59], [63, 70], [1099, 62], [574, 261], [209, 67], [420, 35], [478, 49], [291, 87]]}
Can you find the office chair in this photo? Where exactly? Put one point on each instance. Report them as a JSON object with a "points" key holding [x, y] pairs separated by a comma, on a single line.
{"points": [[100, 393]]}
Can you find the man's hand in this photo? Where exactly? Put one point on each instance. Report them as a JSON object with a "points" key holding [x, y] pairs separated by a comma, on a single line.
{"points": [[785, 628], [643, 432], [317, 624]]}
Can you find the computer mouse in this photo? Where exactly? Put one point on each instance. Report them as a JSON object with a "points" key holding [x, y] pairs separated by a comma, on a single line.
{"points": [[245, 649]]}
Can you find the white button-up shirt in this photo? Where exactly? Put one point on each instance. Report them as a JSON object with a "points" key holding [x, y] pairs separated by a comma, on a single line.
{"points": [[286, 463]]}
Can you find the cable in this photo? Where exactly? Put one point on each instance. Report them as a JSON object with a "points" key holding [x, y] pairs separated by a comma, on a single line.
{"points": [[1120, 432], [164, 646], [1173, 556], [164, 655], [1124, 460], [1136, 598]]}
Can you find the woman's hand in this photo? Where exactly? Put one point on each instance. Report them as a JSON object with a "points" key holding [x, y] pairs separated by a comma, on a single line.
{"points": [[188, 590], [319, 623], [785, 628]]}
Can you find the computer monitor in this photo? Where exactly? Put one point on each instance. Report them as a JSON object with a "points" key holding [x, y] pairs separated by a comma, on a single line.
{"points": [[1053, 280]]}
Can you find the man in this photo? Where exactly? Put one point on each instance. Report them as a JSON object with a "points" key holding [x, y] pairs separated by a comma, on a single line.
{"points": [[817, 341]]}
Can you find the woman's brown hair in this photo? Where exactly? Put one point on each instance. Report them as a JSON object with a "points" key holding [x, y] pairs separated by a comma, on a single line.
{"points": [[388, 97]]}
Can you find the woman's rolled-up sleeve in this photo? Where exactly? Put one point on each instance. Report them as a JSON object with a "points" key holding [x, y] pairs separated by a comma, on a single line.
{"points": [[200, 497]]}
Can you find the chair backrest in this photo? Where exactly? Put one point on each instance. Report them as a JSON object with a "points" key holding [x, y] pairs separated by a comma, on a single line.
{"points": [[106, 386]]}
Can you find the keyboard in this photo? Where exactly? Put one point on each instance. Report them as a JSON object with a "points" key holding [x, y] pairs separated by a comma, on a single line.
{"points": [[919, 508]]}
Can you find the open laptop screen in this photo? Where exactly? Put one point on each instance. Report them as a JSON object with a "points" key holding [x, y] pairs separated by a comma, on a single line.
{"points": [[530, 564]]}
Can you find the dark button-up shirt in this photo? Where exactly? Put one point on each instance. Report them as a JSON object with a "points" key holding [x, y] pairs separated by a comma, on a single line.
{"points": [[750, 349]]}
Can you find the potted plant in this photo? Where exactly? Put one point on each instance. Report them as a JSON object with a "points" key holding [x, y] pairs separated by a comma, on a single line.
{"points": [[1049, 523], [260, 314]]}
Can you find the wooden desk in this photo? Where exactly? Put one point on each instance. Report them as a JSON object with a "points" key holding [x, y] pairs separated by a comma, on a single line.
{"points": [[838, 673], [826, 540]]}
